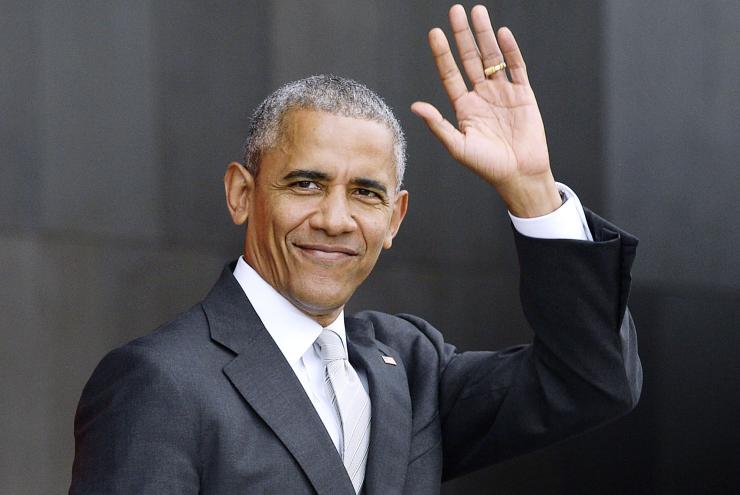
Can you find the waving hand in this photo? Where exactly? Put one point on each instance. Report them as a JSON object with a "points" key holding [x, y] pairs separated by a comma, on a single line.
{"points": [[499, 133]]}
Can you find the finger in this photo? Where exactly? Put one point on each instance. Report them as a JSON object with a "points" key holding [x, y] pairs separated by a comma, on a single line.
{"points": [[513, 56], [450, 75], [466, 47], [489, 48], [447, 133]]}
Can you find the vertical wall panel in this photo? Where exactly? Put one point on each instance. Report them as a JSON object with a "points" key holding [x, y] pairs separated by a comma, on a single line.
{"points": [[671, 124], [673, 136], [97, 118], [212, 69], [20, 157], [686, 419], [26, 359], [325, 37]]}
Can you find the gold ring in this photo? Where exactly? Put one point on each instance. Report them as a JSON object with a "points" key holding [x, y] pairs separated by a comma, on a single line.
{"points": [[489, 71]]}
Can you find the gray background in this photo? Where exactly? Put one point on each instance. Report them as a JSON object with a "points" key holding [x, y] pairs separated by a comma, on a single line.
{"points": [[117, 120]]}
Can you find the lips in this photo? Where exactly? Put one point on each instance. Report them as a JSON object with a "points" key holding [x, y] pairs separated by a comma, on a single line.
{"points": [[326, 252]]}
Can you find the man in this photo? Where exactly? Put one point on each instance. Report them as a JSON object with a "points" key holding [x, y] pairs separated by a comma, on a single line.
{"points": [[251, 392]]}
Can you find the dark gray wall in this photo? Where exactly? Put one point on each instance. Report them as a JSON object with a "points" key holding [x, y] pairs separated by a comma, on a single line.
{"points": [[117, 120], [672, 141]]}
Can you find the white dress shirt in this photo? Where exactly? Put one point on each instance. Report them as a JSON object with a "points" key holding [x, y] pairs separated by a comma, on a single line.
{"points": [[294, 332], [567, 222]]}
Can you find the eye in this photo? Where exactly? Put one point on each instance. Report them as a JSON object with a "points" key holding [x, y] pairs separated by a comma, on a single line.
{"points": [[367, 193], [305, 184]]}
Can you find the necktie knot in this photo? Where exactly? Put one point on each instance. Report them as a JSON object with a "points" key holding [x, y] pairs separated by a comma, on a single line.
{"points": [[330, 346]]}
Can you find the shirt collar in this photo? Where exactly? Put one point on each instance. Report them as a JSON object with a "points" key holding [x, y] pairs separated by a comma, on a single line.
{"points": [[293, 331]]}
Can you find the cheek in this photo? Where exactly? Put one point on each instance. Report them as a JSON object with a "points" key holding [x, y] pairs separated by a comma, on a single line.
{"points": [[283, 218], [375, 231]]}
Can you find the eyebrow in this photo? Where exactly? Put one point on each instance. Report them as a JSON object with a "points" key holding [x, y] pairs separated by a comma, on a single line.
{"points": [[316, 175], [370, 184], [306, 174]]}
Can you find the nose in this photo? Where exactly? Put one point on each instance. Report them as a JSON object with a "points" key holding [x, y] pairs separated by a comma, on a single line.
{"points": [[334, 216]]}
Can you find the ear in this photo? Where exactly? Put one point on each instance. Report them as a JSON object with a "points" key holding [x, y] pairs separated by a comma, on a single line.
{"points": [[400, 205], [239, 187]]}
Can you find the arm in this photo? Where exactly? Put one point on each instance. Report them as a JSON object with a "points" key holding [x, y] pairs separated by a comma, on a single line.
{"points": [[135, 432], [581, 370]]}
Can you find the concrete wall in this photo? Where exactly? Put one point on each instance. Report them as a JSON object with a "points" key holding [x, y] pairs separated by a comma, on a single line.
{"points": [[672, 139], [117, 120]]}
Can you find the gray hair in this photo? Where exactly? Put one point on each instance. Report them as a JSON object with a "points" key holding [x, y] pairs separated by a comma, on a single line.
{"points": [[326, 93]]}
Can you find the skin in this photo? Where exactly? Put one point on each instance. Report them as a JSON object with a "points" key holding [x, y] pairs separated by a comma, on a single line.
{"points": [[499, 133], [324, 203], [322, 207]]}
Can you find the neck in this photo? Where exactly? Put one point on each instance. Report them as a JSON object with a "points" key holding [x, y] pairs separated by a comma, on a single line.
{"points": [[322, 316]]}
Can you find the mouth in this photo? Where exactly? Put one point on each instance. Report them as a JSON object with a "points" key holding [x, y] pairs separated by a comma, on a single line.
{"points": [[326, 252]]}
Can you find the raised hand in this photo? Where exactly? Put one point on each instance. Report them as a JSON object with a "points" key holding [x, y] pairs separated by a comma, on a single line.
{"points": [[499, 133]]}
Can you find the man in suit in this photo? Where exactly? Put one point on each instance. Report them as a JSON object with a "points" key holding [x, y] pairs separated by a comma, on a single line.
{"points": [[240, 394]]}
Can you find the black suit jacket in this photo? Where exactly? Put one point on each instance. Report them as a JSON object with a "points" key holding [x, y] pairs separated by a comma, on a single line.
{"points": [[207, 404]]}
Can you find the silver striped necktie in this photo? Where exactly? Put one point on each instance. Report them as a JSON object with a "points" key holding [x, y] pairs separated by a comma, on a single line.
{"points": [[351, 403]]}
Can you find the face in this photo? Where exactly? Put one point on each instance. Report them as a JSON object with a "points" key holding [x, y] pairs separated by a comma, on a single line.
{"points": [[321, 208]]}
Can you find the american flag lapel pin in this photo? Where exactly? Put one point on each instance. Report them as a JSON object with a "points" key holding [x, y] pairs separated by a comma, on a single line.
{"points": [[389, 360]]}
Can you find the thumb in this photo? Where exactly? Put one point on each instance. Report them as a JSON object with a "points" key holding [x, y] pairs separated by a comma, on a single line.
{"points": [[447, 133]]}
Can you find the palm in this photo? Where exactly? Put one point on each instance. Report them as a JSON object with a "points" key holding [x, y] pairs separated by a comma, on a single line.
{"points": [[499, 133]]}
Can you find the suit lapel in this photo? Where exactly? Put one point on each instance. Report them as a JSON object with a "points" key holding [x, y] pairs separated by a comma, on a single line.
{"points": [[267, 382], [390, 433]]}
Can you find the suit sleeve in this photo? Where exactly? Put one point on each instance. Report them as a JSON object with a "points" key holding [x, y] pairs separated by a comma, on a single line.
{"points": [[580, 371], [134, 429]]}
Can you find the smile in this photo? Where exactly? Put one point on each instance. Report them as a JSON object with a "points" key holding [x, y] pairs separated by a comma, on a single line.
{"points": [[326, 252]]}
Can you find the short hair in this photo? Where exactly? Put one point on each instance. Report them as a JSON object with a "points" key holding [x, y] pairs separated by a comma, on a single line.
{"points": [[327, 93]]}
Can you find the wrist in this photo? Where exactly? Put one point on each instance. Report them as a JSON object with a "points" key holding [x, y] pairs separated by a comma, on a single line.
{"points": [[531, 197]]}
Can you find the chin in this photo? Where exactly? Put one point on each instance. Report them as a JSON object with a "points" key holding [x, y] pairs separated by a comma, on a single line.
{"points": [[320, 301]]}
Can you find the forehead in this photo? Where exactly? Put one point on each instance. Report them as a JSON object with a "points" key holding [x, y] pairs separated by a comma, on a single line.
{"points": [[328, 140]]}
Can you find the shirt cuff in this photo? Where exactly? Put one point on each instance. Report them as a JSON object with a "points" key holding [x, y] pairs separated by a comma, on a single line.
{"points": [[567, 222]]}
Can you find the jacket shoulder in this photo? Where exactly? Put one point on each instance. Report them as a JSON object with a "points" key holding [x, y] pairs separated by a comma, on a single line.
{"points": [[178, 334], [177, 352], [417, 341]]}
